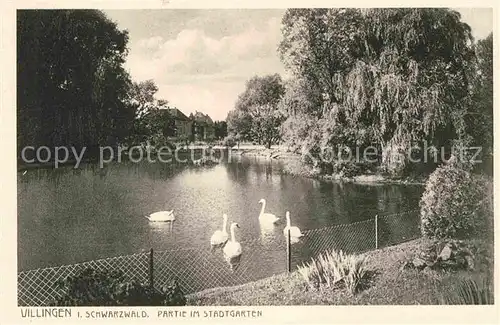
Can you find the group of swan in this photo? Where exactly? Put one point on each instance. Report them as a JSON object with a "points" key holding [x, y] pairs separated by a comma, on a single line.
{"points": [[269, 217], [232, 248]]}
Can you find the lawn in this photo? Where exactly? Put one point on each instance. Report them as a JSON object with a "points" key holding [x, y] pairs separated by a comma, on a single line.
{"points": [[388, 284]]}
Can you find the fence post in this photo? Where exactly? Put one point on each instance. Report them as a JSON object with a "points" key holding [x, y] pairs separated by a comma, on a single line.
{"points": [[376, 231], [288, 252], [151, 269]]}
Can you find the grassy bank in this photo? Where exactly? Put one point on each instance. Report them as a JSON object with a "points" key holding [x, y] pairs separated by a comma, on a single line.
{"points": [[388, 283]]}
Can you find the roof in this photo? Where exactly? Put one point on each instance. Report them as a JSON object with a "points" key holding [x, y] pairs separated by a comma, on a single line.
{"points": [[202, 118], [177, 114]]}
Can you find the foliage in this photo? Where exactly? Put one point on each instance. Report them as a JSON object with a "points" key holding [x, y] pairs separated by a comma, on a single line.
{"points": [[152, 124], [445, 255], [230, 141], [220, 129], [103, 288], [143, 96], [346, 168], [389, 77], [332, 268], [470, 292], [453, 203], [257, 116], [72, 89], [479, 118]]}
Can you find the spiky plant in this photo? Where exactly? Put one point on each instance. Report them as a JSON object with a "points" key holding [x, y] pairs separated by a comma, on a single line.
{"points": [[331, 268], [470, 292]]}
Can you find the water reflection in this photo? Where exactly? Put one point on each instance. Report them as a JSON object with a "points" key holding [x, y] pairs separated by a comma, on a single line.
{"points": [[162, 227], [267, 233]]}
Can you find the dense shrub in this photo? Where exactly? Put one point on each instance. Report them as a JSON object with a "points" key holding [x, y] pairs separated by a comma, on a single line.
{"points": [[448, 254], [229, 141], [103, 288], [346, 168], [334, 268], [453, 204], [351, 168]]}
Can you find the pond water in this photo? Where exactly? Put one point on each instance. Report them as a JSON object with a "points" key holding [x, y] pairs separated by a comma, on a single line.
{"points": [[68, 215]]}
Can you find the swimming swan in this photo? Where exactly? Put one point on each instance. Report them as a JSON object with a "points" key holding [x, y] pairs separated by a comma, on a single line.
{"points": [[267, 217], [161, 216], [232, 248], [294, 231], [220, 236]]}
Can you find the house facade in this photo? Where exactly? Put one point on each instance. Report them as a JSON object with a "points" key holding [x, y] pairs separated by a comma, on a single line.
{"points": [[203, 127], [182, 125], [196, 127]]}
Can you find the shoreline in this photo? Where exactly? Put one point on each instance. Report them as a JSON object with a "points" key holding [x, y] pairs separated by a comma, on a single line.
{"points": [[21, 166], [289, 158]]}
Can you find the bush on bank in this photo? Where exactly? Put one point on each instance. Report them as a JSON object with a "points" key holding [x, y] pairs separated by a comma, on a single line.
{"points": [[454, 203], [92, 287]]}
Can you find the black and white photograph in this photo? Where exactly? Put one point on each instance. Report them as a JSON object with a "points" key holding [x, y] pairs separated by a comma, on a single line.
{"points": [[254, 157]]}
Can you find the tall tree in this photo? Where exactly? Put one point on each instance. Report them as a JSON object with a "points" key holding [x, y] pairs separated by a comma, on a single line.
{"points": [[256, 115], [153, 123], [220, 129], [72, 89], [143, 96], [480, 114]]}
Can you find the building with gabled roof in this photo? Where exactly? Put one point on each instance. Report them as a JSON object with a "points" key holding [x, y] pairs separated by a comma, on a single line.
{"points": [[182, 125], [203, 126]]}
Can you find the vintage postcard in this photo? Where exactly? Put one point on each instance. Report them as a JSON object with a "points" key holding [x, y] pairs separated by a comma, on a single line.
{"points": [[215, 162]]}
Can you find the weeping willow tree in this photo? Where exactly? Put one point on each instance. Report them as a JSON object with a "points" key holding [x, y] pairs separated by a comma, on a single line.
{"points": [[390, 77]]}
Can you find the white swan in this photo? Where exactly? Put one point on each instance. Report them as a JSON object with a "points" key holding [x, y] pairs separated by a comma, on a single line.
{"points": [[233, 248], [294, 231], [220, 236], [267, 217], [161, 216]]}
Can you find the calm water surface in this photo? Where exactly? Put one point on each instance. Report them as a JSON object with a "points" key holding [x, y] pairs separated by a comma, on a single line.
{"points": [[72, 215]]}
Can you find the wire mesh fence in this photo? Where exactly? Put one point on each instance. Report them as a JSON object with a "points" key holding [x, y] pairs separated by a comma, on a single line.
{"points": [[398, 228], [37, 287], [356, 237], [196, 270]]}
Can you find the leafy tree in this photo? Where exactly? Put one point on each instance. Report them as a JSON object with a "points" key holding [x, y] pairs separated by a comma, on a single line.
{"points": [[152, 124], [479, 118], [239, 124], [391, 77], [301, 103], [256, 115], [220, 129], [143, 96], [72, 89]]}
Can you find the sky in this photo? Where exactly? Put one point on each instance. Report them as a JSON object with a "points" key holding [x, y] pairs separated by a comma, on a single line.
{"points": [[201, 59]]}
